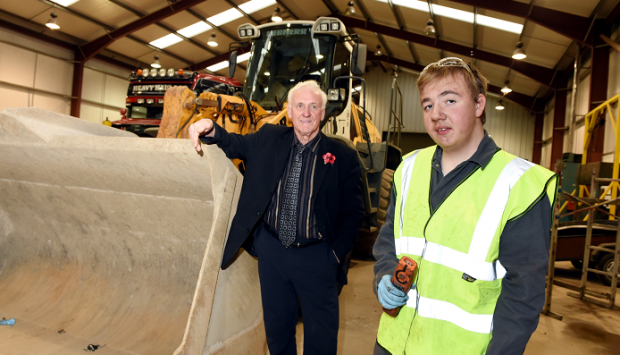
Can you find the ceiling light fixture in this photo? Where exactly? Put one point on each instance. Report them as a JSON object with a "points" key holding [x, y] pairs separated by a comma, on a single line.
{"points": [[378, 52], [156, 64], [500, 105], [519, 53], [429, 30], [52, 23], [212, 41], [276, 15], [350, 9], [506, 89]]}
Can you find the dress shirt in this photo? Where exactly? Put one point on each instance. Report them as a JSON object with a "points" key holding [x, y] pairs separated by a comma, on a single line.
{"points": [[306, 220]]}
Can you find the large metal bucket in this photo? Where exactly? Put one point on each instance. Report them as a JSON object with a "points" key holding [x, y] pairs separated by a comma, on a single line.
{"points": [[109, 239]]}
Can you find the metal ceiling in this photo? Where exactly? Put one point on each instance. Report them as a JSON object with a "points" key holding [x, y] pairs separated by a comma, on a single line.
{"points": [[121, 30]]}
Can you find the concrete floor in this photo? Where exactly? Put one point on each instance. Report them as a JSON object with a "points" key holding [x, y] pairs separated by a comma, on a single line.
{"points": [[585, 329]]}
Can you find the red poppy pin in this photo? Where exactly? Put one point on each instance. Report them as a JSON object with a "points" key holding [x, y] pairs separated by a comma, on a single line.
{"points": [[329, 158]]}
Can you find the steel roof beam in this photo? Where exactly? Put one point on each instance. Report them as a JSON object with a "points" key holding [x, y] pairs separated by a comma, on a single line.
{"points": [[572, 26], [538, 73], [399, 20], [412, 51], [229, 2], [281, 3], [95, 46], [330, 5]]}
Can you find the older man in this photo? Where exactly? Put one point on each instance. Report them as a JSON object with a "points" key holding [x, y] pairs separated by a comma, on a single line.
{"points": [[476, 219], [299, 212]]}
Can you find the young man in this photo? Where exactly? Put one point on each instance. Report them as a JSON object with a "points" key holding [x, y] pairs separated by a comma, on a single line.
{"points": [[476, 220], [299, 213]]}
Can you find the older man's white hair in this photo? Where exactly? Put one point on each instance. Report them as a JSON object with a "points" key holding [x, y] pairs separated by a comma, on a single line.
{"points": [[311, 85]]}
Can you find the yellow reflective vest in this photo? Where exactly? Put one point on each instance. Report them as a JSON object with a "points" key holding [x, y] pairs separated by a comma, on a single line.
{"points": [[456, 247]]}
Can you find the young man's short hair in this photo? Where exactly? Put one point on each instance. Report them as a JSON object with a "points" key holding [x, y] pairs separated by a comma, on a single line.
{"points": [[476, 82]]}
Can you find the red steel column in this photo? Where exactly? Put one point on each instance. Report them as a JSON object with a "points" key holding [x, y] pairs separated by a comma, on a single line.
{"points": [[76, 91], [598, 94]]}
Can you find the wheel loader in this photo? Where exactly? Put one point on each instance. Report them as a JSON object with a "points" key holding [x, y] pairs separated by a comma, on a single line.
{"points": [[283, 54]]}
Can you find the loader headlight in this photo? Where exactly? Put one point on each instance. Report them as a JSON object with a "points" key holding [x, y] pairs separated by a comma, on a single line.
{"points": [[336, 94], [140, 101], [150, 101], [162, 72], [160, 101], [153, 72], [335, 26], [248, 30], [170, 72], [324, 26], [145, 72]]}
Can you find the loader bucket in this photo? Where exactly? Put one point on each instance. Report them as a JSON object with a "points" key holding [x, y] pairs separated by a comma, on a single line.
{"points": [[114, 243]]}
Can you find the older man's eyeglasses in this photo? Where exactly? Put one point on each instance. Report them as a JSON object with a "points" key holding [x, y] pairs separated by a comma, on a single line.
{"points": [[450, 62]]}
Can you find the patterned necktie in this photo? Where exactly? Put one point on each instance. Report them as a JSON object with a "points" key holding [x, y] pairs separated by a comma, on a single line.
{"points": [[287, 226]]}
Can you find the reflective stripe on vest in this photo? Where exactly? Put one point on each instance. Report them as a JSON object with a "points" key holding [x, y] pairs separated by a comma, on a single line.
{"points": [[439, 254], [473, 263], [442, 310], [406, 171]]}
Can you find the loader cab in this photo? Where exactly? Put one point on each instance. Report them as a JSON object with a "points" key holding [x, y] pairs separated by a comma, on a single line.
{"points": [[284, 54]]}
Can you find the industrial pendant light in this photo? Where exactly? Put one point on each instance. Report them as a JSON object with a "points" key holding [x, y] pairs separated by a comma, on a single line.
{"points": [[156, 64], [519, 53], [430, 28], [276, 15], [378, 52], [506, 89], [350, 9], [52, 23], [212, 41], [500, 105]]}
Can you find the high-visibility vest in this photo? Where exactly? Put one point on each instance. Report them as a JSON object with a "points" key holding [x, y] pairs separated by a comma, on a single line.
{"points": [[456, 247]]}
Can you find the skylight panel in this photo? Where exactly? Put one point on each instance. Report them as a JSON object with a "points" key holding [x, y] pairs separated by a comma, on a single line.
{"points": [[225, 17], [499, 24], [195, 29], [256, 5], [453, 13], [218, 66], [166, 41], [244, 57], [460, 15], [412, 4], [221, 65], [65, 3]]}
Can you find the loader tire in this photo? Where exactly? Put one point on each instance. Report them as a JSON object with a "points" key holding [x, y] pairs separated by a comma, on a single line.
{"points": [[387, 180], [362, 250]]}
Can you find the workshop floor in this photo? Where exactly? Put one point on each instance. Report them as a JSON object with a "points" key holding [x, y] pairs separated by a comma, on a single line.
{"points": [[585, 329]]}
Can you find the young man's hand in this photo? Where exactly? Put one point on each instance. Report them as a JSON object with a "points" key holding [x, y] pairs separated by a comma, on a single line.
{"points": [[389, 296]]}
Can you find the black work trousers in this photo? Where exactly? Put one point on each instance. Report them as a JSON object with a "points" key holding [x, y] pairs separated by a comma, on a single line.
{"points": [[308, 273]]}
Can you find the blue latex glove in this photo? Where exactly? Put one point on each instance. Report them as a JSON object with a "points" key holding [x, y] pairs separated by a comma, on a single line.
{"points": [[7, 322], [389, 296]]}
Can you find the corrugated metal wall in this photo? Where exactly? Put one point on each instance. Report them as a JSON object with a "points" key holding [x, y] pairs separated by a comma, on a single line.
{"points": [[34, 73], [582, 108], [512, 129]]}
